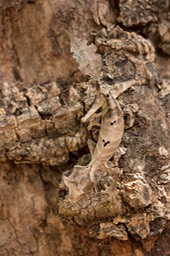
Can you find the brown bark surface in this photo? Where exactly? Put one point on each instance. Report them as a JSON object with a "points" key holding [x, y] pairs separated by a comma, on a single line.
{"points": [[51, 57]]}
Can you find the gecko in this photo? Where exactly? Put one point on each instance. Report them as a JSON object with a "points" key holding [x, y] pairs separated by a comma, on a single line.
{"points": [[111, 127], [111, 122]]}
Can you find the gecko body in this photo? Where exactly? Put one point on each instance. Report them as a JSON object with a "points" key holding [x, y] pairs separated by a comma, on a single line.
{"points": [[111, 130], [111, 122]]}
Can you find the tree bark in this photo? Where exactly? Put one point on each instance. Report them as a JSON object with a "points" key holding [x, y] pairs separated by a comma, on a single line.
{"points": [[54, 57]]}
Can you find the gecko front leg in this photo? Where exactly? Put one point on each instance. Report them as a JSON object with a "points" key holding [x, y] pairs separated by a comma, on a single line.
{"points": [[98, 103], [95, 120]]}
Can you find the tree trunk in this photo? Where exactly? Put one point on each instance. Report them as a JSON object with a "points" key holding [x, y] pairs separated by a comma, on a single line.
{"points": [[55, 58]]}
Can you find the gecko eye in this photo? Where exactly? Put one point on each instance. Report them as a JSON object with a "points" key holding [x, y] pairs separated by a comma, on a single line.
{"points": [[107, 95]]}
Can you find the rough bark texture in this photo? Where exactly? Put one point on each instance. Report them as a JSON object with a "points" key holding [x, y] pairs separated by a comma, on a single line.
{"points": [[54, 54]]}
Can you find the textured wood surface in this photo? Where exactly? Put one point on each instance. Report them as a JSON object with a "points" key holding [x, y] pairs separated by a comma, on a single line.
{"points": [[52, 55]]}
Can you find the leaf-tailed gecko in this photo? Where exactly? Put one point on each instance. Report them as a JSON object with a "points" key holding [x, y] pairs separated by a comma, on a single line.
{"points": [[111, 122], [111, 126]]}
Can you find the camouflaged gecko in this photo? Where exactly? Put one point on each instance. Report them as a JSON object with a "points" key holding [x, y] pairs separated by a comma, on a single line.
{"points": [[111, 123]]}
